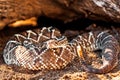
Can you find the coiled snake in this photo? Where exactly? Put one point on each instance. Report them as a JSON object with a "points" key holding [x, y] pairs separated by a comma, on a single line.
{"points": [[46, 48]]}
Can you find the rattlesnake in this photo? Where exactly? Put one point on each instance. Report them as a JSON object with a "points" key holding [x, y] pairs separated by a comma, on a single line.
{"points": [[46, 48]]}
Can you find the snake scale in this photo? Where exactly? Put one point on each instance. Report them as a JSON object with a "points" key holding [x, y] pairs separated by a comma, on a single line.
{"points": [[46, 48]]}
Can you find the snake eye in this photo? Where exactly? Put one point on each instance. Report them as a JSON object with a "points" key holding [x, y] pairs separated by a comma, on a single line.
{"points": [[27, 42]]}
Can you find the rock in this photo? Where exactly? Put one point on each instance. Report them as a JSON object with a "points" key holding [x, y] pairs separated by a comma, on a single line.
{"points": [[65, 10]]}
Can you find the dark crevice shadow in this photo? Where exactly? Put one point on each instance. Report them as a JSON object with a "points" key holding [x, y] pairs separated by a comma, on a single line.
{"points": [[73, 25], [1, 59]]}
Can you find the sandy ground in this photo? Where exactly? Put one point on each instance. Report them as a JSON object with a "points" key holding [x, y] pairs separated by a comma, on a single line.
{"points": [[72, 71]]}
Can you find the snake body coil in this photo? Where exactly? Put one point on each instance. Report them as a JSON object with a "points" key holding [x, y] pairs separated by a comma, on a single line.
{"points": [[46, 48], [97, 40], [38, 49]]}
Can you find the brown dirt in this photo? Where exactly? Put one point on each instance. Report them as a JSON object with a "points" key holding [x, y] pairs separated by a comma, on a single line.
{"points": [[72, 71]]}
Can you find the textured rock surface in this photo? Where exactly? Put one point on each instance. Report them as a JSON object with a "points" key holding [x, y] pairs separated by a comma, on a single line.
{"points": [[108, 10], [11, 10], [66, 10]]}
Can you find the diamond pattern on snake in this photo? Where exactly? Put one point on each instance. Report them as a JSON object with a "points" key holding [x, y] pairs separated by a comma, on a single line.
{"points": [[47, 48]]}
